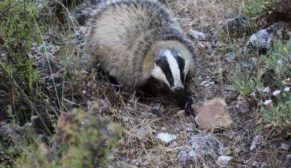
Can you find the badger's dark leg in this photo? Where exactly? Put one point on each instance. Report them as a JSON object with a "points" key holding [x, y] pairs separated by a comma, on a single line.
{"points": [[113, 80], [185, 100]]}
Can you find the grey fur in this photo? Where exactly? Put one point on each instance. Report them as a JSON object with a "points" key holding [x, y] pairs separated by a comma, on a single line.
{"points": [[127, 35]]}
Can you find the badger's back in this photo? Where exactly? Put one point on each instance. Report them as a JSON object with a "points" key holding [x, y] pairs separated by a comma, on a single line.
{"points": [[124, 33]]}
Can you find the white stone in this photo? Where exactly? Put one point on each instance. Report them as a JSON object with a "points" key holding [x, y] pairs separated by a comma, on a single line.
{"points": [[285, 146], [166, 138], [258, 139], [197, 35], [223, 160]]}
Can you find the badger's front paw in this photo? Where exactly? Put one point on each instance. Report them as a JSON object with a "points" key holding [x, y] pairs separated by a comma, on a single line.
{"points": [[188, 106], [185, 102]]}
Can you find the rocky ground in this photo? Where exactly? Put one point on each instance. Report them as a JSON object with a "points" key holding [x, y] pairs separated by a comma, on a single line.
{"points": [[158, 134]]}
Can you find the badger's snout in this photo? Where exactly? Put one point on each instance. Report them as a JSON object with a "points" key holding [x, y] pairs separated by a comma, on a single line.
{"points": [[178, 89]]}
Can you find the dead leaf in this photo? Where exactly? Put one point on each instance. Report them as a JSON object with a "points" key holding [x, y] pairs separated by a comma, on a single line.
{"points": [[213, 114]]}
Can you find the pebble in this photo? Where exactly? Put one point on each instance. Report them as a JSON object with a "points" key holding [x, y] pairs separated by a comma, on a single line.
{"points": [[230, 57], [197, 35], [166, 138], [256, 141], [234, 27], [285, 146], [224, 151], [261, 40], [223, 160]]}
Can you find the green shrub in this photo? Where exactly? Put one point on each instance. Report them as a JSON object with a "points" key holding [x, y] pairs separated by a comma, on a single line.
{"points": [[22, 25], [19, 31], [256, 8], [83, 139], [269, 85], [12, 142]]}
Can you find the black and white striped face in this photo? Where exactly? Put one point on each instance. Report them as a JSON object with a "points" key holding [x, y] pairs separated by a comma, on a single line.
{"points": [[171, 68]]}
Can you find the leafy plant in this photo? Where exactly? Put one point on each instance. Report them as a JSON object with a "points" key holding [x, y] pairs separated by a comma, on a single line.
{"points": [[270, 84], [83, 140], [18, 33], [256, 8]]}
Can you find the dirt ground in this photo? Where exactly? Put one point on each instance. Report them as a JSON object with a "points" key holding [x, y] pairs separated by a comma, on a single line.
{"points": [[246, 143], [139, 147]]}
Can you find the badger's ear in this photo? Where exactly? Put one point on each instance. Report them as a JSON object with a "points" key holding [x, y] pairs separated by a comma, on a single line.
{"points": [[159, 57]]}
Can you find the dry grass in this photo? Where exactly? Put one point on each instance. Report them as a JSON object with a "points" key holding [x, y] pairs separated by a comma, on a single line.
{"points": [[139, 146], [142, 121]]}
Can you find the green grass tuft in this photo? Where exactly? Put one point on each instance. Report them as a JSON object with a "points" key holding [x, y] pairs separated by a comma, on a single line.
{"points": [[273, 71]]}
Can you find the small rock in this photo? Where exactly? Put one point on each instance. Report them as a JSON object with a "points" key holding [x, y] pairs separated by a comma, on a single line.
{"points": [[256, 164], [234, 27], [192, 154], [247, 65], [256, 141], [230, 57], [224, 151], [197, 35], [183, 157], [264, 165], [205, 144], [213, 114], [164, 128], [285, 146], [260, 41], [166, 138], [242, 107], [223, 160], [206, 83]]}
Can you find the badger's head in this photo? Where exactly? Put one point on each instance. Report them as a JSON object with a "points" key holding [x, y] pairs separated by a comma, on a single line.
{"points": [[171, 69]]}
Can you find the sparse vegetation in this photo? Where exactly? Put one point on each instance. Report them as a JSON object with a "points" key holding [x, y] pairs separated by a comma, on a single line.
{"points": [[82, 140], [256, 8], [38, 87], [42, 81], [268, 82], [20, 32]]}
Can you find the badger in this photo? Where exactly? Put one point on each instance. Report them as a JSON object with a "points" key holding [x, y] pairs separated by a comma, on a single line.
{"points": [[136, 40]]}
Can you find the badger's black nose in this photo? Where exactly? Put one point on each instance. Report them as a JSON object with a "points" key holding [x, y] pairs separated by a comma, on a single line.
{"points": [[178, 89]]}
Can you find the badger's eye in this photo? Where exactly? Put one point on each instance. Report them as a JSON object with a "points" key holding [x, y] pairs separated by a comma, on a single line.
{"points": [[170, 78]]}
